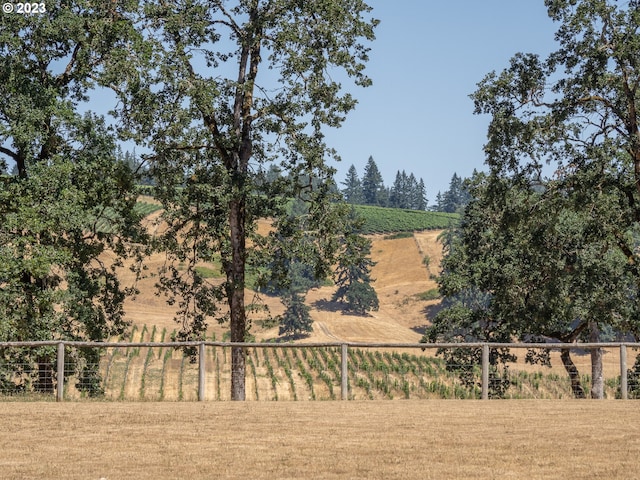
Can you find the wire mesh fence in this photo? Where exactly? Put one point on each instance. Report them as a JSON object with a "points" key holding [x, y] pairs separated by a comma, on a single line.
{"points": [[157, 371]]}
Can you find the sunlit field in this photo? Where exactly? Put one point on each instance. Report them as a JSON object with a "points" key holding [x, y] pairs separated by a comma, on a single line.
{"points": [[373, 439]]}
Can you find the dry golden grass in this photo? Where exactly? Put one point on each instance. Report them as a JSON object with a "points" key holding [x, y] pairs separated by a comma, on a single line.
{"points": [[267, 440], [399, 272]]}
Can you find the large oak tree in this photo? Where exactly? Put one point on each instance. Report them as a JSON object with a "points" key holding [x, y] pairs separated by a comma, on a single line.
{"points": [[232, 87], [549, 245], [70, 200]]}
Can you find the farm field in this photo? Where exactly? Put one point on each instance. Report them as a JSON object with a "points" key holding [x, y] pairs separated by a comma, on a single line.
{"points": [[282, 374], [296, 372], [386, 220], [330, 440], [400, 279]]}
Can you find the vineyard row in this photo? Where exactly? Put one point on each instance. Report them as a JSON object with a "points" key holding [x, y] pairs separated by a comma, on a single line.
{"points": [[293, 372]]}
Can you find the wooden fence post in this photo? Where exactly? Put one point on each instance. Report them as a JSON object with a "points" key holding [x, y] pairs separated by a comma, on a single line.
{"points": [[623, 372], [485, 371], [60, 373], [201, 372], [344, 390]]}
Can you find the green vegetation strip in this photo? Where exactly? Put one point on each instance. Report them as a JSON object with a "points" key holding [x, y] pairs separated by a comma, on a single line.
{"points": [[104, 224], [385, 220]]}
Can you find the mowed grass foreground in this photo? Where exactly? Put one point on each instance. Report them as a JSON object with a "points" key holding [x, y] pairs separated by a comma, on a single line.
{"points": [[330, 440]]}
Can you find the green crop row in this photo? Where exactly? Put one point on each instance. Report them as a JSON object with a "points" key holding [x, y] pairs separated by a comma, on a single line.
{"points": [[299, 372], [386, 220], [276, 374]]}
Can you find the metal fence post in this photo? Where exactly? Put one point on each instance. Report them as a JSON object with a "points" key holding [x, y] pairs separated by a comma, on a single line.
{"points": [[201, 372], [485, 371], [60, 373], [623, 372], [344, 391]]}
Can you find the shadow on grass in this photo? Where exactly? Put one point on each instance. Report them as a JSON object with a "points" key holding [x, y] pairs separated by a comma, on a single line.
{"points": [[430, 311], [331, 306], [328, 306]]}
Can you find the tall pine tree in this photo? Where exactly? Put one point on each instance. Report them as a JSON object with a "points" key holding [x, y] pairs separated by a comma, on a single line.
{"points": [[353, 273], [398, 195], [373, 189], [352, 190], [419, 199], [456, 198]]}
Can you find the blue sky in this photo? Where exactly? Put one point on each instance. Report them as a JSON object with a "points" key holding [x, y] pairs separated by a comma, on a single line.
{"points": [[425, 62]]}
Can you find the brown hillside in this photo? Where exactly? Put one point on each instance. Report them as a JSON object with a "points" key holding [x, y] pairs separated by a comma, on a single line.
{"points": [[399, 273]]}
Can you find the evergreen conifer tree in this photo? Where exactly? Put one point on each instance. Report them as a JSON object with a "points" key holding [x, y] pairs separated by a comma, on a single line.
{"points": [[353, 273], [373, 189], [295, 320], [353, 187], [419, 200]]}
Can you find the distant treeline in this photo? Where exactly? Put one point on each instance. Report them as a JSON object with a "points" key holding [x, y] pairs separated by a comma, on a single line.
{"points": [[407, 192]]}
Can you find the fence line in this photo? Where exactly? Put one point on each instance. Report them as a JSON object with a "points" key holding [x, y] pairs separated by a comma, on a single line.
{"points": [[344, 347]]}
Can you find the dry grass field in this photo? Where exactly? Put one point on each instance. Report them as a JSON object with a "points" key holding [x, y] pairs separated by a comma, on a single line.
{"points": [[401, 280], [328, 440]]}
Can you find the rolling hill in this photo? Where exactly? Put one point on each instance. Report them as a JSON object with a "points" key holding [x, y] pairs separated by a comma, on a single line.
{"points": [[400, 279]]}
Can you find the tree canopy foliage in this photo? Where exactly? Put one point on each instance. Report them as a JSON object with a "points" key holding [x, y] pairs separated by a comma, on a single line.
{"points": [[54, 281], [455, 199], [547, 249], [407, 192]]}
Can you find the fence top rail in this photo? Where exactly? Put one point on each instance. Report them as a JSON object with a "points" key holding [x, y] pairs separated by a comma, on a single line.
{"points": [[423, 346]]}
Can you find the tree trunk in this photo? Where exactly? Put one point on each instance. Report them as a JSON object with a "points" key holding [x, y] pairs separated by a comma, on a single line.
{"points": [[574, 375], [236, 278], [597, 377]]}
